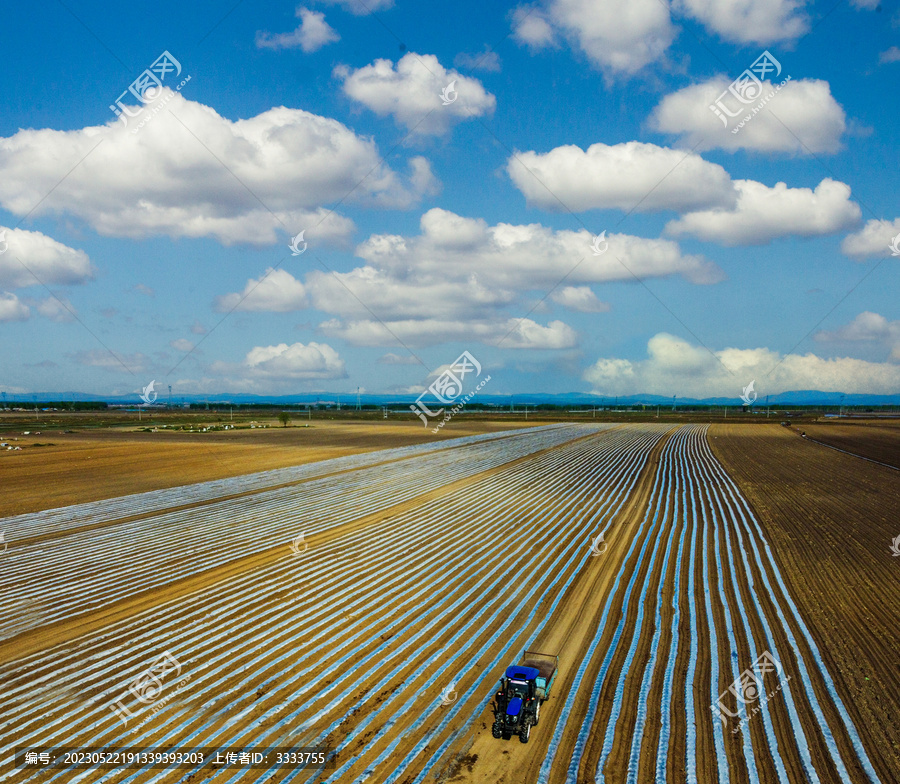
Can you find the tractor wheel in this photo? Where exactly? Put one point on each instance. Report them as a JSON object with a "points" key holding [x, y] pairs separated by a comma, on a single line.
{"points": [[497, 730], [537, 714], [525, 733]]}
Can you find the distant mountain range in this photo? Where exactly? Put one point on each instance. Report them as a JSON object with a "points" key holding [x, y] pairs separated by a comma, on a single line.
{"points": [[574, 399]]}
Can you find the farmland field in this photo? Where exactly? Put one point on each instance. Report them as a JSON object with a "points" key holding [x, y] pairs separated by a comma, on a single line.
{"points": [[370, 603]]}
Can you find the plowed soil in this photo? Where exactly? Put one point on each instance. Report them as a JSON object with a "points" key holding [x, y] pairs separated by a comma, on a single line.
{"points": [[831, 519]]}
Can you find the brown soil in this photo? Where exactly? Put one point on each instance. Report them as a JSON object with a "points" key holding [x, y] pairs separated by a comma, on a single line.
{"points": [[876, 440], [94, 464], [830, 519]]}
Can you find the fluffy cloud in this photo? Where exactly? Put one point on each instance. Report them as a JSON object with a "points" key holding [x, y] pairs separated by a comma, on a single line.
{"points": [[277, 291], [875, 239], [763, 214], [506, 333], [891, 55], [311, 35], [808, 120], [532, 28], [624, 176], [618, 36], [11, 308], [455, 279], [411, 93], [50, 261], [676, 367], [463, 269], [515, 258], [867, 327], [297, 361], [168, 179], [749, 21], [580, 298]]}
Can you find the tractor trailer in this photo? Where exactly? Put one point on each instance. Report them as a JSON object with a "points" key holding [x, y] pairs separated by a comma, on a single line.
{"points": [[525, 686]]}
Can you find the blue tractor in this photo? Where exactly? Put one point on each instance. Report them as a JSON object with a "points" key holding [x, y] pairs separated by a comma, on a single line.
{"points": [[525, 686]]}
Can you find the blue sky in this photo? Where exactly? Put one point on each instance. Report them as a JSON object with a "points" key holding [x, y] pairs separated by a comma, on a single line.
{"points": [[158, 248]]}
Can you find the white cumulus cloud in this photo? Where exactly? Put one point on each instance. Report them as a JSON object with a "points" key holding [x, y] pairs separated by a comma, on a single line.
{"points": [[506, 333], [579, 298], [311, 35], [169, 178], [630, 175], [277, 291], [676, 367], [12, 308], [803, 117], [749, 21], [411, 92], [297, 361], [31, 258], [875, 239], [461, 277], [763, 214], [618, 36], [532, 28], [867, 327]]}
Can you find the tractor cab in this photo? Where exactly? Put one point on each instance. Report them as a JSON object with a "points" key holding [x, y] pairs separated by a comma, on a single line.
{"points": [[517, 705]]}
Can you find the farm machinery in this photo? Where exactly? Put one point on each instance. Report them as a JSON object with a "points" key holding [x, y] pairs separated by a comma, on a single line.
{"points": [[525, 686]]}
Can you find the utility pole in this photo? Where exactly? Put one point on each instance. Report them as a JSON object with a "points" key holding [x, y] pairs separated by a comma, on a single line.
{"points": [[170, 395], [767, 406], [673, 401]]}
